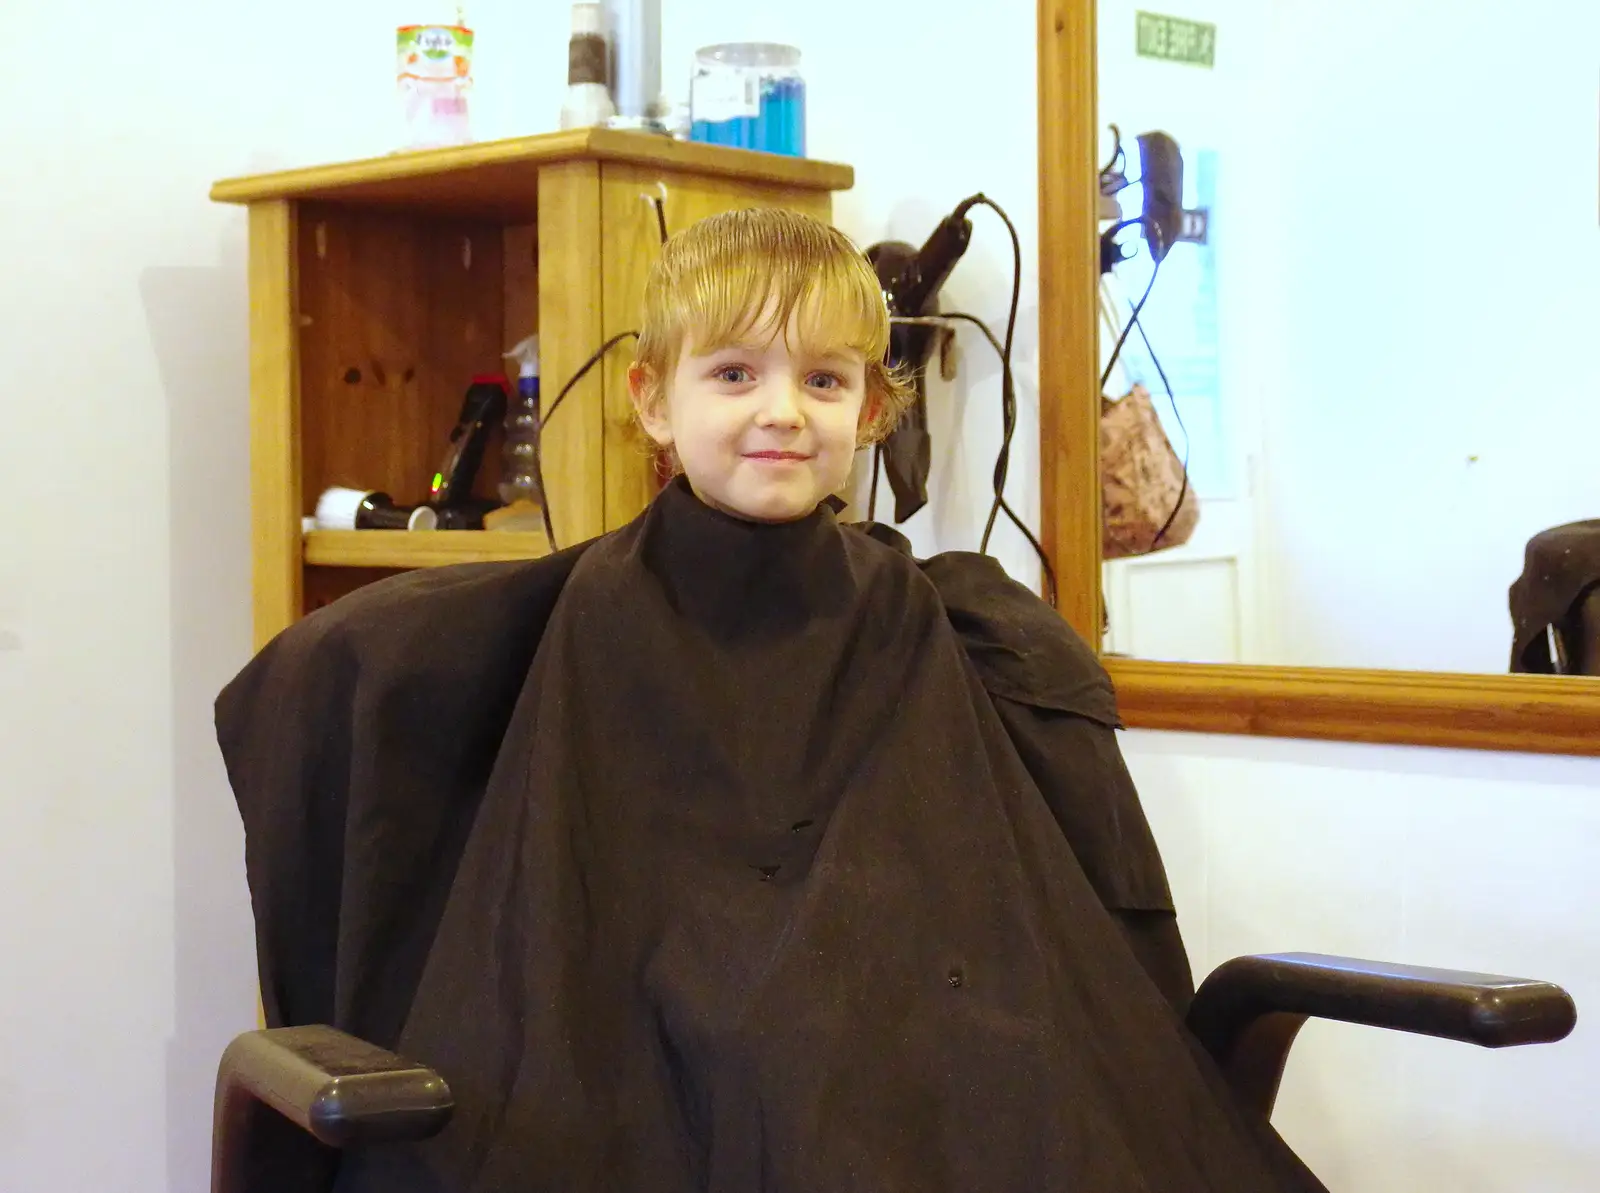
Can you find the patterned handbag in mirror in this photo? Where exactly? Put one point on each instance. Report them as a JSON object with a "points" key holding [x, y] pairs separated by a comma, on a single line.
{"points": [[1148, 502]]}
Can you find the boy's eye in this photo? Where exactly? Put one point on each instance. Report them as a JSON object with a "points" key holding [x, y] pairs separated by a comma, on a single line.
{"points": [[732, 374], [824, 381]]}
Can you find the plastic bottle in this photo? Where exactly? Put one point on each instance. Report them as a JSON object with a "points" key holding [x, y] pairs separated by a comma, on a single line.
{"points": [[750, 95], [519, 458], [634, 27], [434, 71], [588, 101]]}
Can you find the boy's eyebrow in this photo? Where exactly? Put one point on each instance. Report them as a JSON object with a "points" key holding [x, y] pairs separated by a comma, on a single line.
{"points": [[846, 357], [838, 356], [733, 345]]}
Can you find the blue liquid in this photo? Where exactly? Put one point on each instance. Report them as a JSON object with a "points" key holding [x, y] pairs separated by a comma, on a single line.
{"points": [[780, 127]]}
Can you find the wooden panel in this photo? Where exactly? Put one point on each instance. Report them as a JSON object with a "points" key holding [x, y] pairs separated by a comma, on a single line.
{"points": [[570, 331], [420, 549], [1540, 714], [633, 241], [397, 314], [520, 250], [1069, 274], [274, 421], [498, 180]]}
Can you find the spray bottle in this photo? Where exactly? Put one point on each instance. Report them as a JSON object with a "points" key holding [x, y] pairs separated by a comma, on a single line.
{"points": [[519, 460]]}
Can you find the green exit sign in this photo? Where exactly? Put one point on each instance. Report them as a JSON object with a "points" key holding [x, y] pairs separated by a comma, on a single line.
{"points": [[1174, 39]]}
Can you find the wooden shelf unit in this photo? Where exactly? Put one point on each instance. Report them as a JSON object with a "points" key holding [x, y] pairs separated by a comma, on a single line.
{"points": [[420, 549], [380, 288]]}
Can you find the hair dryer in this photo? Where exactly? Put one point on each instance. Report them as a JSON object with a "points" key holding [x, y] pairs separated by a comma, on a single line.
{"points": [[911, 279], [1161, 171]]}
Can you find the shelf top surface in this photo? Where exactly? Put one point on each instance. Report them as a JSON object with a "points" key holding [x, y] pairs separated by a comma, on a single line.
{"points": [[429, 548], [500, 177]]}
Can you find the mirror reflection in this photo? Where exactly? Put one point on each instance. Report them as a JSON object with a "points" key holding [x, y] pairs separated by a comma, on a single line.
{"points": [[1354, 421]]}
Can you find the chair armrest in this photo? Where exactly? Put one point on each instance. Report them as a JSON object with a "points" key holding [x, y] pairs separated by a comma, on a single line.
{"points": [[342, 1091], [1247, 1013]]}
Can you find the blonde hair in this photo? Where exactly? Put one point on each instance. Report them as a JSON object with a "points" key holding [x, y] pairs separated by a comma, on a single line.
{"points": [[718, 278]]}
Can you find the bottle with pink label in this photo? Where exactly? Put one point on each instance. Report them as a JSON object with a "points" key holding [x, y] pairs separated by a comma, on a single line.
{"points": [[434, 71]]}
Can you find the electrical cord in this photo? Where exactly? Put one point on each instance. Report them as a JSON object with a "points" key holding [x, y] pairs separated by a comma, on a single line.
{"points": [[1113, 171], [658, 202], [660, 205], [1007, 386], [1116, 353], [872, 493], [538, 450], [595, 359], [1008, 398], [1008, 393], [1008, 408], [1127, 329], [1183, 488]]}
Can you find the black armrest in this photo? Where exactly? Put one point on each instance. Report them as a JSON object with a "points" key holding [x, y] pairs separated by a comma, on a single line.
{"points": [[342, 1091], [1247, 1013]]}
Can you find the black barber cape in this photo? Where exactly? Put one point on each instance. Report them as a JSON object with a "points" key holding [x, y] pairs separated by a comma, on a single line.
{"points": [[728, 857]]}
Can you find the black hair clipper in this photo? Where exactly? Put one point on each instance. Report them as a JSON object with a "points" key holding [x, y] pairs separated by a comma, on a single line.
{"points": [[483, 409]]}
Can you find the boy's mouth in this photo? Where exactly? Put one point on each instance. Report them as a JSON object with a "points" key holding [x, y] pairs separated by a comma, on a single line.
{"points": [[776, 456]]}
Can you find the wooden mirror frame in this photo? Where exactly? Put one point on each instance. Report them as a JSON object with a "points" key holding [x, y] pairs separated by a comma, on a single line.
{"points": [[1544, 714]]}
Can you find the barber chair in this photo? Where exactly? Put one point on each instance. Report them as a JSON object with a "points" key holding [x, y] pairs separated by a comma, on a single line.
{"points": [[1555, 603], [348, 1093]]}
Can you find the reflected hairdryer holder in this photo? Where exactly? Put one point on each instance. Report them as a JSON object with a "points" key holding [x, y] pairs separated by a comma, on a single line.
{"points": [[1163, 219]]}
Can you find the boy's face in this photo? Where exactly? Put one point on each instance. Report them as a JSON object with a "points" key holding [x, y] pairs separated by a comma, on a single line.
{"points": [[765, 430]]}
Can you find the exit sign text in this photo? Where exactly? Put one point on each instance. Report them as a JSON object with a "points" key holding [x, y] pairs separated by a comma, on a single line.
{"points": [[1176, 40]]}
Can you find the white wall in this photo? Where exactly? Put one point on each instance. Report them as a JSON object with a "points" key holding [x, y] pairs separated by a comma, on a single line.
{"points": [[124, 940], [125, 962], [1428, 192], [1460, 860]]}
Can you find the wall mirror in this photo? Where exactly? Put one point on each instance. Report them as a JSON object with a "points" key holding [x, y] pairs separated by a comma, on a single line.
{"points": [[1368, 252]]}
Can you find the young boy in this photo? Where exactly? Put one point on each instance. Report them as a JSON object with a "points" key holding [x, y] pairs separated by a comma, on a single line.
{"points": [[761, 362], [735, 850]]}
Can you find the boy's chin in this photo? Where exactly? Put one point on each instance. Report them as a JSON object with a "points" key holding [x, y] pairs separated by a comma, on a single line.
{"points": [[773, 505]]}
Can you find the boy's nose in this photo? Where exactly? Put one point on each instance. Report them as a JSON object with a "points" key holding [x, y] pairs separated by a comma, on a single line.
{"points": [[780, 407]]}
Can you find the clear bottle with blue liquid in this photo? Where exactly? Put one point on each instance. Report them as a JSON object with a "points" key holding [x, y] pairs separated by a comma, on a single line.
{"points": [[749, 95]]}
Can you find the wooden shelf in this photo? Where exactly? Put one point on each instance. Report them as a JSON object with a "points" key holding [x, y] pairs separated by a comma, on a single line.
{"points": [[377, 287], [421, 548], [499, 179]]}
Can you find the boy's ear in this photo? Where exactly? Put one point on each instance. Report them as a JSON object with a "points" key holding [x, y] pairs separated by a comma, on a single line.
{"points": [[871, 413], [649, 403]]}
